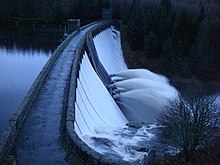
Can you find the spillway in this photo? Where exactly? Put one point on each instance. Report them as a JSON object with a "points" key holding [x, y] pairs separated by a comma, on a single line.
{"points": [[108, 47], [72, 98], [95, 108], [100, 122]]}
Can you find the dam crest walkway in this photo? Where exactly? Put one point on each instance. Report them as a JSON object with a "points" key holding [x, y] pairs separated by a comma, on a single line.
{"points": [[69, 110], [40, 139]]}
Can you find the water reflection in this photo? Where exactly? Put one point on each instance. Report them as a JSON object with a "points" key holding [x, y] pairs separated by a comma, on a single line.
{"points": [[23, 53], [26, 37]]}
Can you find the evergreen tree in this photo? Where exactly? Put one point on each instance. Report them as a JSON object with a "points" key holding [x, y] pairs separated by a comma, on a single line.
{"points": [[165, 7], [25, 8], [201, 16], [58, 12], [107, 4], [168, 64], [203, 55], [167, 48], [136, 26], [164, 28], [151, 45]]}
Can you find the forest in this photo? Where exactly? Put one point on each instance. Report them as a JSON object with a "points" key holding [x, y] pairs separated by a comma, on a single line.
{"points": [[52, 10], [177, 38], [183, 36], [185, 40]]}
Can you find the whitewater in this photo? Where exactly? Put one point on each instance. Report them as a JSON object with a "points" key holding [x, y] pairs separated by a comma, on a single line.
{"points": [[104, 114]]}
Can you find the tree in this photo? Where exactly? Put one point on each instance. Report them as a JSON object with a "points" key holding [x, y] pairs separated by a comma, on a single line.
{"points": [[200, 17], [203, 56], [8, 8], [165, 6], [106, 4], [151, 45], [136, 26], [190, 125]]}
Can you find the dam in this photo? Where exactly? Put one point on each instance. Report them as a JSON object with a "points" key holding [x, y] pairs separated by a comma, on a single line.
{"points": [[70, 102]]}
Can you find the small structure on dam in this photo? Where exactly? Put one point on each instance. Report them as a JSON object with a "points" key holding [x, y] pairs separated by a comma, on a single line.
{"points": [[72, 25]]}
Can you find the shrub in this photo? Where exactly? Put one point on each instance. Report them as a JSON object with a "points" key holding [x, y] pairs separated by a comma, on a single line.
{"points": [[190, 125]]}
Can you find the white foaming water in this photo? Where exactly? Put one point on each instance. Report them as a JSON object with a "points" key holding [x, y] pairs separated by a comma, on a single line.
{"points": [[139, 73], [137, 83], [123, 142], [142, 99], [108, 47], [100, 123], [218, 100]]}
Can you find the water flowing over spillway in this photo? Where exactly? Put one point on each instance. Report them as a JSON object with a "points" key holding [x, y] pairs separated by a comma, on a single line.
{"points": [[94, 103], [136, 95], [99, 121], [142, 94], [108, 47]]}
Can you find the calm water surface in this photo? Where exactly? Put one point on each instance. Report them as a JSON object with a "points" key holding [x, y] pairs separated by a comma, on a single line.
{"points": [[23, 52]]}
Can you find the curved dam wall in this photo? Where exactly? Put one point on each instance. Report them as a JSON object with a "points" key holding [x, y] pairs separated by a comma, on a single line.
{"points": [[108, 47], [97, 128], [94, 107], [18, 118], [91, 108]]}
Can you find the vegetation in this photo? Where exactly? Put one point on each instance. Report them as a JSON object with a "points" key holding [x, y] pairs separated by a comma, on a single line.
{"points": [[136, 26], [190, 126], [182, 37], [52, 10], [185, 42]]}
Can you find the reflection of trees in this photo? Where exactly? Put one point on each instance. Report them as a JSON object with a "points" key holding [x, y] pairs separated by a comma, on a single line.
{"points": [[23, 37]]}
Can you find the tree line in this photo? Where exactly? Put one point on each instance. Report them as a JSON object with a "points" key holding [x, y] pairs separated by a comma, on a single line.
{"points": [[183, 35], [52, 10], [185, 42]]}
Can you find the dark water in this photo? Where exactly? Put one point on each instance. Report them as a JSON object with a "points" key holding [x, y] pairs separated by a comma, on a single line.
{"points": [[23, 52]]}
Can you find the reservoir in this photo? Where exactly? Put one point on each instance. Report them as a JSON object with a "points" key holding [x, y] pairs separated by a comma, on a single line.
{"points": [[24, 50]]}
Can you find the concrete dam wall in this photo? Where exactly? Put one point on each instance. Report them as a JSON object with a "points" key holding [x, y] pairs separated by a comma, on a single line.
{"points": [[100, 122], [81, 95], [96, 125]]}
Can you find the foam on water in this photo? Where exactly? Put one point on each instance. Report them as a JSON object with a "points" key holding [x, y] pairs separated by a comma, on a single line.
{"points": [[100, 123], [139, 83], [142, 94], [139, 73], [123, 142]]}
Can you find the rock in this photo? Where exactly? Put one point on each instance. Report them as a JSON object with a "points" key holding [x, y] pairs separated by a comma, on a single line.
{"points": [[102, 141], [143, 149], [134, 125]]}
